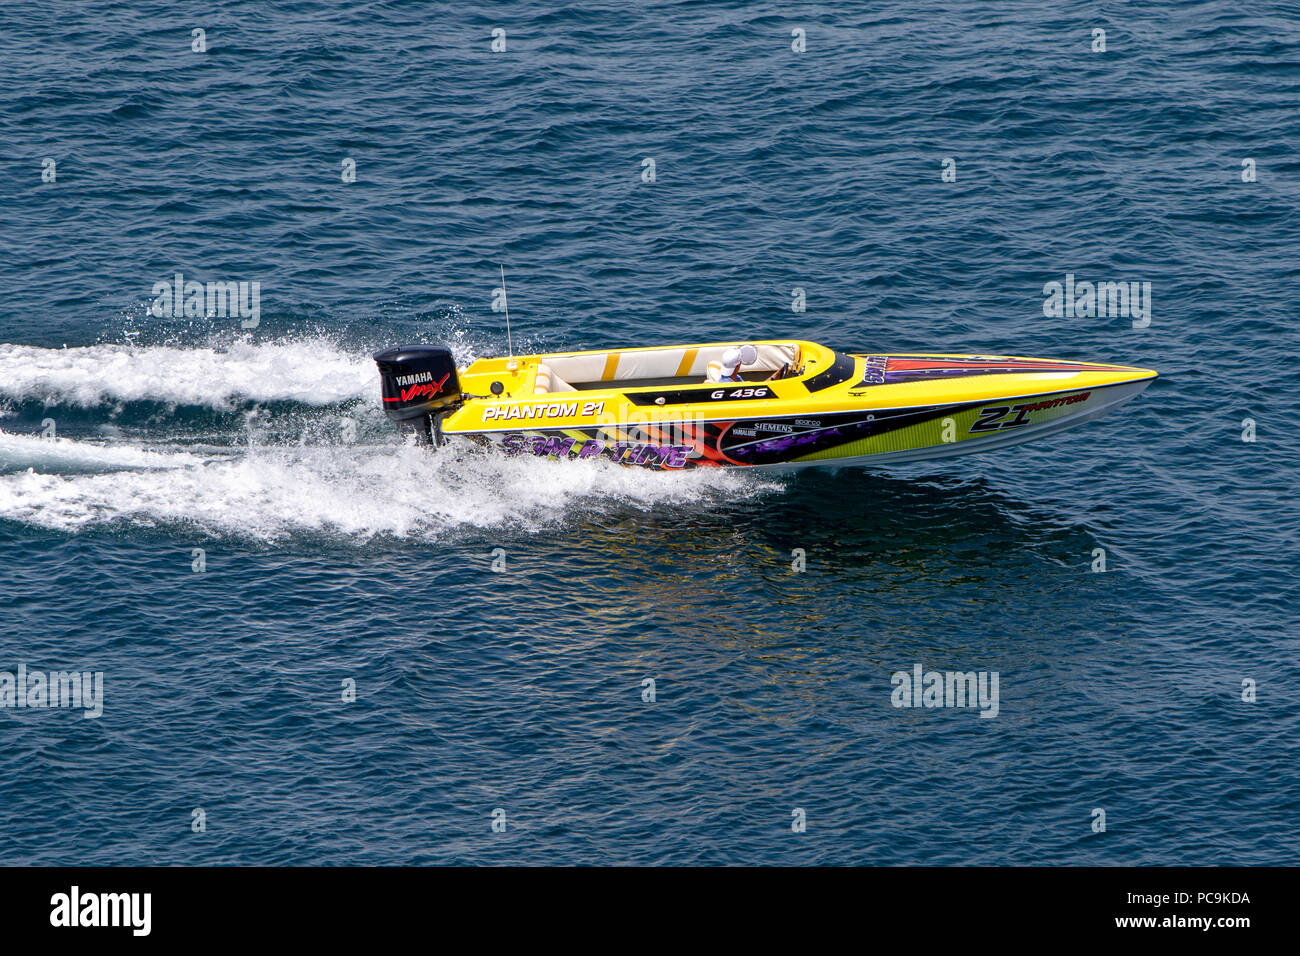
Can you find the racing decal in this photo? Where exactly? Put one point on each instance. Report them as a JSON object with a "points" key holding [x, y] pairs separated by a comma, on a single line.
{"points": [[991, 419], [895, 369], [701, 438], [418, 384], [1058, 402], [873, 370], [546, 410], [623, 453], [718, 393], [995, 417]]}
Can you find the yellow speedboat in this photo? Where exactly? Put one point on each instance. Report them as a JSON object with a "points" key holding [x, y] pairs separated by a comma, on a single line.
{"points": [[778, 404]]}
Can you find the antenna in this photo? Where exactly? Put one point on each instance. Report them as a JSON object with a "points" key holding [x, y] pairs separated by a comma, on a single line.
{"points": [[506, 302]]}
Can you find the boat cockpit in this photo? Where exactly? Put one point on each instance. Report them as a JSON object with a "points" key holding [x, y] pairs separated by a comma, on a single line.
{"points": [[650, 368]]}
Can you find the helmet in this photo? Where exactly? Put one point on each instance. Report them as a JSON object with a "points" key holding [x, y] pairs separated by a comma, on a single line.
{"points": [[733, 358]]}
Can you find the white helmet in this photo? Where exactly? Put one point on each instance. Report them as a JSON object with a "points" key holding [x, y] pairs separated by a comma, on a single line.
{"points": [[733, 358]]}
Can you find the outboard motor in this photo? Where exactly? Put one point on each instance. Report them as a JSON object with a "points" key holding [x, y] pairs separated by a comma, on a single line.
{"points": [[419, 386]]}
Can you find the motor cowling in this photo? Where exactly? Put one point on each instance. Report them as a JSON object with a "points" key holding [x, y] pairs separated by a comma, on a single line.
{"points": [[417, 381]]}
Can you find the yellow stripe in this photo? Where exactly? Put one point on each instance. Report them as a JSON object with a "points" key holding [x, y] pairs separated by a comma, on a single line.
{"points": [[687, 361], [611, 366]]}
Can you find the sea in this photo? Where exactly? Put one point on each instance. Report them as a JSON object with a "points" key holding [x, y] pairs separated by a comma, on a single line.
{"points": [[304, 640]]}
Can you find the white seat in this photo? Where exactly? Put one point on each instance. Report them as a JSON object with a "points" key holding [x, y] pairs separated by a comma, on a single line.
{"points": [[547, 381]]}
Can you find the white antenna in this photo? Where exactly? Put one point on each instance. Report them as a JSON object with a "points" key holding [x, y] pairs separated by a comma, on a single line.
{"points": [[506, 302]]}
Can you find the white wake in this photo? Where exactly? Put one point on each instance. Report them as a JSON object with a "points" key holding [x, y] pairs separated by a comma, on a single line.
{"points": [[249, 486], [354, 492], [311, 371]]}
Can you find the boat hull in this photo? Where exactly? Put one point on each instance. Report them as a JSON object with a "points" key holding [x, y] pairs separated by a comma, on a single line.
{"points": [[857, 437]]}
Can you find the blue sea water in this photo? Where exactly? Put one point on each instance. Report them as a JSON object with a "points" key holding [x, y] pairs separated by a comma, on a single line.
{"points": [[331, 553]]}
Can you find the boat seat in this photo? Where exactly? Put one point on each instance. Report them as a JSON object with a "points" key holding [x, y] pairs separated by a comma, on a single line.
{"points": [[547, 381]]}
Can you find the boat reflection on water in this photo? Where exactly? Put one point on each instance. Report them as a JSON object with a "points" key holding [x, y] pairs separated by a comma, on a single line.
{"points": [[899, 555]]}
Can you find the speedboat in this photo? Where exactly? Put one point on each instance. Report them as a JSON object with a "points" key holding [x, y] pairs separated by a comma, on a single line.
{"points": [[771, 404]]}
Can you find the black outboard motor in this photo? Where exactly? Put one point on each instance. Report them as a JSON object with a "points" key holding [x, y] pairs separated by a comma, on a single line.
{"points": [[419, 386]]}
